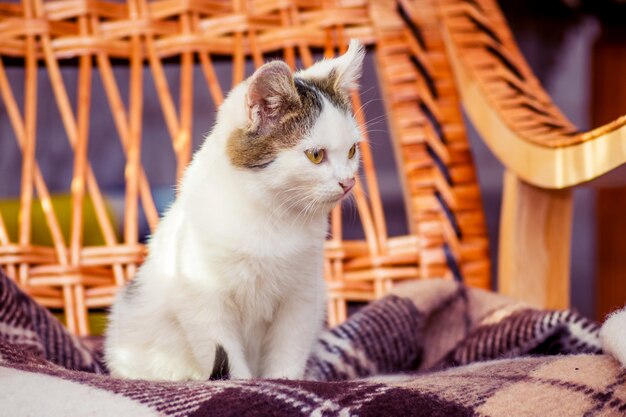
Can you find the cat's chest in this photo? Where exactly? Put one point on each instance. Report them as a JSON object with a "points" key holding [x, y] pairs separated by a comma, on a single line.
{"points": [[251, 287], [268, 268], [253, 269], [257, 285], [262, 253]]}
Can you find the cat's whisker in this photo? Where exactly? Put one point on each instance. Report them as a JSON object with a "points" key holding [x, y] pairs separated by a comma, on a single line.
{"points": [[362, 189], [363, 106], [284, 206], [353, 207], [366, 131], [299, 198], [314, 209], [375, 120], [363, 92], [309, 207], [290, 203], [376, 131], [291, 191]]}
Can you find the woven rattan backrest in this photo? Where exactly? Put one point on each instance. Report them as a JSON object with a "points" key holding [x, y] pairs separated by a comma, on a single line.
{"points": [[447, 230]]}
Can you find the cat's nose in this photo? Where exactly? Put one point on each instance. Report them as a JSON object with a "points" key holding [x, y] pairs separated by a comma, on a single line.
{"points": [[347, 184]]}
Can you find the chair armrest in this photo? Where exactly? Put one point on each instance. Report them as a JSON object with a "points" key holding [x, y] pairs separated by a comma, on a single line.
{"points": [[512, 112]]}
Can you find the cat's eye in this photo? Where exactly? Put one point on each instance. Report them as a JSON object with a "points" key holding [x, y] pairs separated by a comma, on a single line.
{"points": [[352, 151], [315, 155]]}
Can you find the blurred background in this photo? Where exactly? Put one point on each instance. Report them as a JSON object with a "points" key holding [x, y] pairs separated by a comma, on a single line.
{"points": [[576, 48]]}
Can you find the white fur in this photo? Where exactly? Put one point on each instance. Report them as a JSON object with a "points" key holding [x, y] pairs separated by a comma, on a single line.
{"points": [[613, 335], [237, 259]]}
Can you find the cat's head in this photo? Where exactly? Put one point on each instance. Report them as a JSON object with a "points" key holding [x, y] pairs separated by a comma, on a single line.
{"points": [[299, 146]]}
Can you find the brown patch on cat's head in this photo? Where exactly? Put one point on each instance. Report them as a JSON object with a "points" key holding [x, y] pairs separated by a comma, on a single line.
{"points": [[330, 88], [277, 128], [336, 78], [282, 108]]}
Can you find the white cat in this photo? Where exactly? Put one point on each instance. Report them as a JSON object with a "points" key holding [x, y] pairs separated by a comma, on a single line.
{"points": [[233, 281]]}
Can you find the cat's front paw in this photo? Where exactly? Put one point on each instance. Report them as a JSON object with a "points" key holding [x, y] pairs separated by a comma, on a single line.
{"points": [[240, 373]]}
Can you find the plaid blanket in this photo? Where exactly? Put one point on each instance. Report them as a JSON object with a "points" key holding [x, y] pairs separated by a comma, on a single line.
{"points": [[428, 350]]}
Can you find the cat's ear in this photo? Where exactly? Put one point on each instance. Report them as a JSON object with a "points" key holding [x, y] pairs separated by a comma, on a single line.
{"points": [[343, 72], [271, 94], [349, 66]]}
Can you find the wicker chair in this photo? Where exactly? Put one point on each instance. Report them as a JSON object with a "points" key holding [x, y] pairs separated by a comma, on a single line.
{"points": [[428, 54]]}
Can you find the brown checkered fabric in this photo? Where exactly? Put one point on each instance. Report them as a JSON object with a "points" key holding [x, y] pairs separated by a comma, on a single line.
{"points": [[424, 327]]}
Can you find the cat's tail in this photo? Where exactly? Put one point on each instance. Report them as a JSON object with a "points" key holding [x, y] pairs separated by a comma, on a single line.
{"points": [[613, 335]]}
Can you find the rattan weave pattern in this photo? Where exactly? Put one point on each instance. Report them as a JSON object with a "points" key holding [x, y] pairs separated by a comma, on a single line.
{"points": [[447, 238]]}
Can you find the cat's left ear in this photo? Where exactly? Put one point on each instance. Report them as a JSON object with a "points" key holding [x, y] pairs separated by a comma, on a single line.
{"points": [[343, 72], [349, 67], [271, 94]]}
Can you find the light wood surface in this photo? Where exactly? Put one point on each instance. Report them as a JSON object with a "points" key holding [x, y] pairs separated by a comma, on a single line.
{"points": [[514, 115], [534, 252]]}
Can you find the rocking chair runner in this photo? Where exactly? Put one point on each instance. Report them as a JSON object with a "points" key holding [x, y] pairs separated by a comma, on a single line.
{"points": [[428, 52]]}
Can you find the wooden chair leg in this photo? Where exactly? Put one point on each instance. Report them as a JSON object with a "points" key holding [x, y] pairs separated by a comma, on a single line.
{"points": [[342, 310], [331, 317], [535, 232]]}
